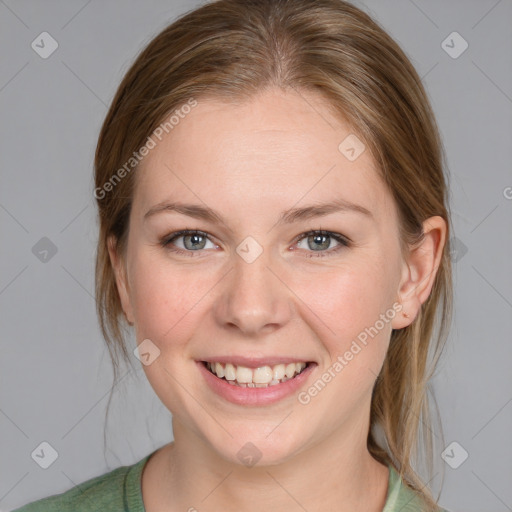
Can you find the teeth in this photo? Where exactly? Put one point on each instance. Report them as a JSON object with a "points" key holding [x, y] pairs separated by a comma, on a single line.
{"points": [[290, 370], [229, 372], [243, 375], [278, 372], [219, 370], [261, 377]]}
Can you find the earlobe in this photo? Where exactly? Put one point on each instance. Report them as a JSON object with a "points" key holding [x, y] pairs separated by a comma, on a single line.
{"points": [[419, 271], [119, 269]]}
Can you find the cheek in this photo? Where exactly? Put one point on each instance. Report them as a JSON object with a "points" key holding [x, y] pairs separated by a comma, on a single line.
{"points": [[164, 298], [354, 302], [347, 299], [166, 303]]}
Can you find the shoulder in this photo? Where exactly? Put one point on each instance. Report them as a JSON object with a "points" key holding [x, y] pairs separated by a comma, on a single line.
{"points": [[118, 490], [402, 498]]}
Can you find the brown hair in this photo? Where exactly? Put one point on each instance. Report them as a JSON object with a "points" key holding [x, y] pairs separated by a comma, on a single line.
{"points": [[232, 49]]}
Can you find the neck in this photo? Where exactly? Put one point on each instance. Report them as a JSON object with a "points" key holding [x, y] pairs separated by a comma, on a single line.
{"points": [[338, 474]]}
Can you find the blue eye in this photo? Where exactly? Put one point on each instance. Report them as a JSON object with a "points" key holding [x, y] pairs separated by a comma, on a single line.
{"points": [[194, 241], [322, 240]]}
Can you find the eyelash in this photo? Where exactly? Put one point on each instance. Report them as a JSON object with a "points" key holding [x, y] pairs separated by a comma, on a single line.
{"points": [[343, 241]]}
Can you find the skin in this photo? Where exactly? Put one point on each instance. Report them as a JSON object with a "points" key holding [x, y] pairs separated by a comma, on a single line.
{"points": [[249, 162]]}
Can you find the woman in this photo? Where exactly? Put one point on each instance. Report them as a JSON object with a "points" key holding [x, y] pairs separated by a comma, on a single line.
{"points": [[274, 226]]}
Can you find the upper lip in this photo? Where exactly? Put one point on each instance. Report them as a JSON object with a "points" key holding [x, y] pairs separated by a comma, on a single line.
{"points": [[255, 362]]}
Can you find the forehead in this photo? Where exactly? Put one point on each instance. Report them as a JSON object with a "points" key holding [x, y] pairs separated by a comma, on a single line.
{"points": [[275, 149]]}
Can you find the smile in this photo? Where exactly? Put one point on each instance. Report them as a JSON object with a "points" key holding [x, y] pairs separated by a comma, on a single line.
{"points": [[255, 381], [260, 377]]}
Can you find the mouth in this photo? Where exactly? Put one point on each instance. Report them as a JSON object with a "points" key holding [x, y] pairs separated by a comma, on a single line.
{"points": [[260, 377]]}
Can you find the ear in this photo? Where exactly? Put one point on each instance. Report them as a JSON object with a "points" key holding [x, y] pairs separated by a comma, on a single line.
{"points": [[419, 271], [119, 267]]}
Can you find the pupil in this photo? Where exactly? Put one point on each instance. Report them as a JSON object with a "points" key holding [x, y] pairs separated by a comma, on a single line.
{"points": [[320, 240], [195, 240]]}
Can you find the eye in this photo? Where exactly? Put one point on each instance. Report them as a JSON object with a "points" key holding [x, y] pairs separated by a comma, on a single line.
{"points": [[191, 240], [320, 242]]}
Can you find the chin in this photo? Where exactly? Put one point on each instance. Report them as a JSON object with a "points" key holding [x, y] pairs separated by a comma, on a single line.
{"points": [[258, 448]]}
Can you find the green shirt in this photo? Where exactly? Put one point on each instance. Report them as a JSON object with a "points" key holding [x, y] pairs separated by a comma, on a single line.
{"points": [[120, 491]]}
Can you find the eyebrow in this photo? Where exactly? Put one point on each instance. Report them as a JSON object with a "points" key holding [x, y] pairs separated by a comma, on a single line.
{"points": [[287, 217]]}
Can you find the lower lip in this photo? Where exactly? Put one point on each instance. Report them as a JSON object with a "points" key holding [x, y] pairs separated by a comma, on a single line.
{"points": [[255, 396]]}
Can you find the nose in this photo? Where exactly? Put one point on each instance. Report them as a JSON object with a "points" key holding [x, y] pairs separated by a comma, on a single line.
{"points": [[253, 298]]}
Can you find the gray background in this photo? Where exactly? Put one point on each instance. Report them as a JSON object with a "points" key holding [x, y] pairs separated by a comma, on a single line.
{"points": [[55, 370]]}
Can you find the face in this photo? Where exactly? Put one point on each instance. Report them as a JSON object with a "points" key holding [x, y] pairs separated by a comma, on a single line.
{"points": [[254, 285]]}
